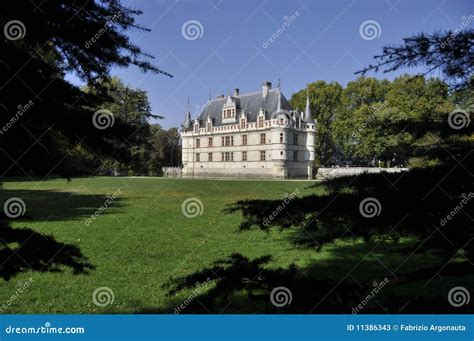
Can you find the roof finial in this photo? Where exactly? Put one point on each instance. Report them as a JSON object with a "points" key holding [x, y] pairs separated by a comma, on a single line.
{"points": [[188, 104], [278, 84], [210, 94]]}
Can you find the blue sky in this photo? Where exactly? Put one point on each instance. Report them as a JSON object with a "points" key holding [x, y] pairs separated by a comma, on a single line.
{"points": [[322, 42]]}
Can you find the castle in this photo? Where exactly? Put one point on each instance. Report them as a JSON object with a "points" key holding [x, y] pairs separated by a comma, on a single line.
{"points": [[254, 135]]}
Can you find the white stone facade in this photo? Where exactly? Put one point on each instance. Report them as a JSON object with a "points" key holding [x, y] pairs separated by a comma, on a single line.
{"points": [[242, 144]]}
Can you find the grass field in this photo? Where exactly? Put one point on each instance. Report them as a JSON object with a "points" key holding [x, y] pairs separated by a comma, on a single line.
{"points": [[142, 240]]}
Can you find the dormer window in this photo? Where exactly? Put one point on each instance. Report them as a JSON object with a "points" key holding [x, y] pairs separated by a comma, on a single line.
{"points": [[196, 127], [243, 123], [260, 121], [229, 110], [229, 113]]}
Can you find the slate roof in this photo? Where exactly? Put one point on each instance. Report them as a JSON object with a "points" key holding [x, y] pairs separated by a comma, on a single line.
{"points": [[251, 103]]}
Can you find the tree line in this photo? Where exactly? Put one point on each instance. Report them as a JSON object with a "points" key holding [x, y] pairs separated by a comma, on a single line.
{"points": [[48, 124], [372, 122]]}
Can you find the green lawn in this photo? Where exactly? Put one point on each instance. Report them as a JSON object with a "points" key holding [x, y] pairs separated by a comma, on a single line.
{"points": [[140, 241], [143, 240]]}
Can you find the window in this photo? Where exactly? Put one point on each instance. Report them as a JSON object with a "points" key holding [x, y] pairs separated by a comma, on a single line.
{"points": [[209, 157], [209, 126], [198, 143], [260, 121], [222, 159], [198, 157], [281, 137], [228, 156], [242, 123], [262, 138], [295, 138], [262, 155], [222, 141], [244, 156], [229, 113], [209, 140], [229, 141], [244, 140], [295, 156], [196, 128]]}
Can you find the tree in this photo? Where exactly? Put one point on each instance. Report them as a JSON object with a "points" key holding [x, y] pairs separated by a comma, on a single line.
{"points": [[450, 53], [324, 100], [129, 107], [41, 45], [353, 129], [166, 147]]}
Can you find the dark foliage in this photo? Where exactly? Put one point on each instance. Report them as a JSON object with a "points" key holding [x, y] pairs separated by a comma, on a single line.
{"points": [[451, 53], [45, 120], [412, 204]]}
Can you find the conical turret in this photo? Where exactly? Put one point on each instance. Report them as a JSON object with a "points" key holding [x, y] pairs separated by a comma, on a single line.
{"points": [[308, 115], [188, 121]]}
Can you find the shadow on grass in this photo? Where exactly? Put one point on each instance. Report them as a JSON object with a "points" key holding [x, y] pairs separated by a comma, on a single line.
{"points": [[403, 235], [242, 285], [24, 249], [51, 205]]}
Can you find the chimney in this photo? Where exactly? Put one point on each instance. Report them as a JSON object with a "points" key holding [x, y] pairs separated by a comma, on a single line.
{"points": [[236, 92], [266, 86]]}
